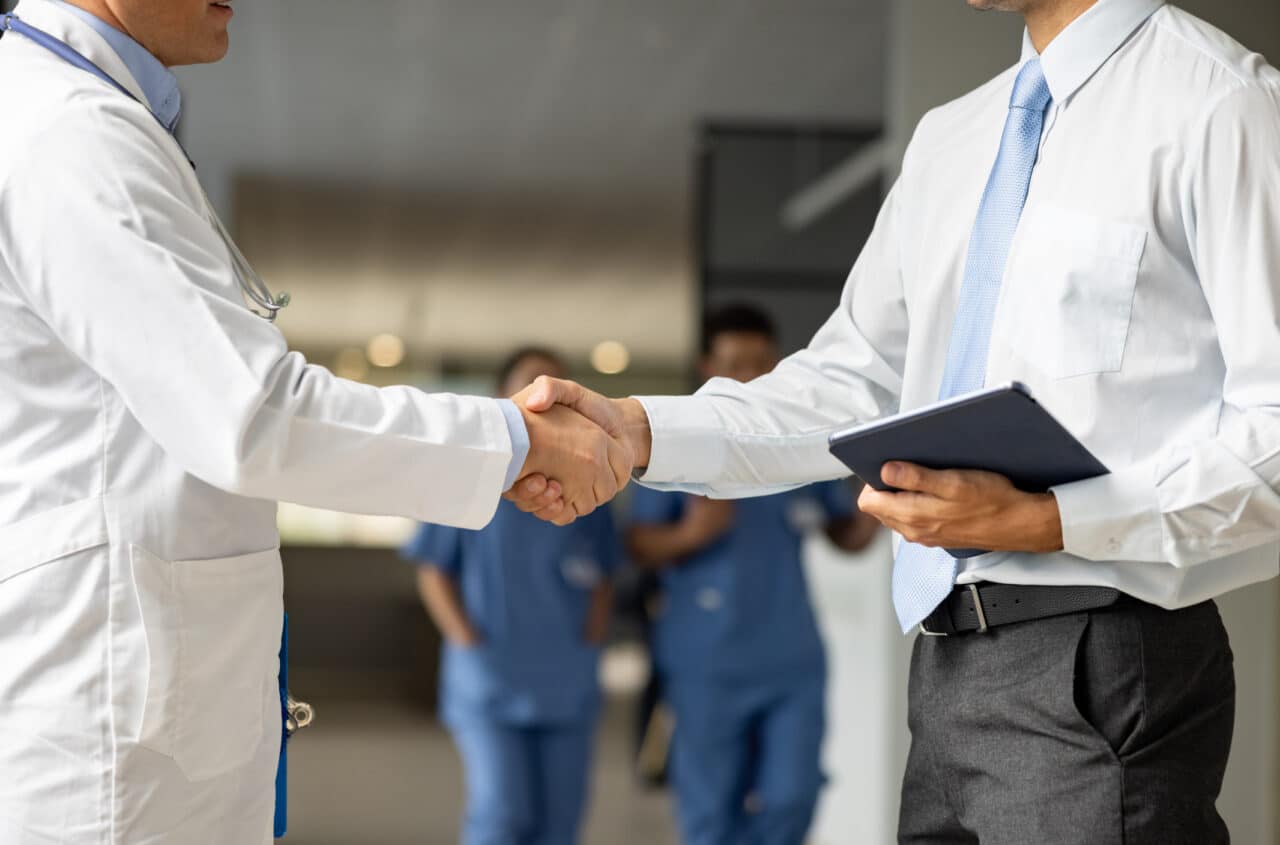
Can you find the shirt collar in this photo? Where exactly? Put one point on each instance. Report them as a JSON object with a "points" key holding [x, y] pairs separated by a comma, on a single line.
{"points": [[1086, 44], [157, 82]]}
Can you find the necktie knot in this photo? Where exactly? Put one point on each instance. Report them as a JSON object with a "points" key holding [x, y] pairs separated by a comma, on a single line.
{"points": [[1030, 89]]}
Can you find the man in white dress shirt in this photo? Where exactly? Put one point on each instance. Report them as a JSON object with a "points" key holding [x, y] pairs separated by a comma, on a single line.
{"points": [[1100, 223]]}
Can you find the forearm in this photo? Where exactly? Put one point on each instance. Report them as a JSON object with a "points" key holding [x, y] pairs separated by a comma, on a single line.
{"points": [[319, 440], [852, 533], [599, 613], [444, 605], [768, 435], [660, 546]]}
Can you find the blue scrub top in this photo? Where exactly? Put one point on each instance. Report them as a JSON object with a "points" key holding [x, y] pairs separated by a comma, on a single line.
{"points": [[740, 609], [526, 587]]}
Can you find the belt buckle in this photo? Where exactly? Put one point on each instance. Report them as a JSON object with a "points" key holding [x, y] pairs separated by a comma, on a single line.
{"points": [[981, 612], [978, 609]]}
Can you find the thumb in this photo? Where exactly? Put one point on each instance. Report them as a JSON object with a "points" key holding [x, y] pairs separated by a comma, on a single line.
{"points": [[548, 392]]}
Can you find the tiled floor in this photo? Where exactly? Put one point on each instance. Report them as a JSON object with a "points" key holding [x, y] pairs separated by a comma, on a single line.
{"points": [[373, 773]]}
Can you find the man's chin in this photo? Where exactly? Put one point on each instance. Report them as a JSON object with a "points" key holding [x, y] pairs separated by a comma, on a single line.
{"points": [[221, 49], [214, 49]]}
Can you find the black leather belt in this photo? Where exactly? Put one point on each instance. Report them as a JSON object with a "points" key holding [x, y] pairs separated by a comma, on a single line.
{"points": [[981, 607]]}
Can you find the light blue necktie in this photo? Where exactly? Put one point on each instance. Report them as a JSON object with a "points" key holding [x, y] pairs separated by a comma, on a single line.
{"points": [[922, 577]]}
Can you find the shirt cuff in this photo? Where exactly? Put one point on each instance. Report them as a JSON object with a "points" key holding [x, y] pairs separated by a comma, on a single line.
{"points": [[689, 441], [1112, 517], [519, 441]]}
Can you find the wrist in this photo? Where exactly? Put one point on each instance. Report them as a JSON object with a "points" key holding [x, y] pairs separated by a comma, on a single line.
{"points": [[636, 430], [1048, 521], [464, 635], [687, 538], [694, 535]]}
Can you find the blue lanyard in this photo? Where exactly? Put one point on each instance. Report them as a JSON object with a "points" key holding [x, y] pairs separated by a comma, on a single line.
{"points": [[62, 51], [72, 57]]}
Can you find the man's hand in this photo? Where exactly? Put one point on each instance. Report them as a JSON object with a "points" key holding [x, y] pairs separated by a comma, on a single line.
{"points": [[964, 509], [544, 491], [588, 464]]}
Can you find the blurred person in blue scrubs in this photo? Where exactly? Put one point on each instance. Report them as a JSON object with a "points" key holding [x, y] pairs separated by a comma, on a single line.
{"points": [[735, 642], [524, 609]]}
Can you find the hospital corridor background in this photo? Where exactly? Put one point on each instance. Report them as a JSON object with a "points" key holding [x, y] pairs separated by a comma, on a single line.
{"points": [[439, 182]]}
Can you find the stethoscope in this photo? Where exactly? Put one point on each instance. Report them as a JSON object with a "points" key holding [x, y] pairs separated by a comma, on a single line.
{"points": [[250, 282]]}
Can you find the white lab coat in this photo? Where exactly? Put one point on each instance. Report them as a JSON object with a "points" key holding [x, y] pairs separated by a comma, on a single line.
{"points": [[148, 424]]}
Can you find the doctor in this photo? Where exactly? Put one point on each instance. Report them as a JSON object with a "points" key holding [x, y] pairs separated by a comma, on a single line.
{"points": [[149, 420]]}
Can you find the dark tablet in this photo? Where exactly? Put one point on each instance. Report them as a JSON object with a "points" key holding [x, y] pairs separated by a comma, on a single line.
{"points": [[1000, 430]]}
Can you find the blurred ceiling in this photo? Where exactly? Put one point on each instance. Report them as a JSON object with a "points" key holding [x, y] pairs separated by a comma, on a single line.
{"points": [[568, 108]]}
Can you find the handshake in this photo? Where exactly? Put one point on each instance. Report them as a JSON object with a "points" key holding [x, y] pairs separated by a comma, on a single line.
{"points": [[582, 449]]}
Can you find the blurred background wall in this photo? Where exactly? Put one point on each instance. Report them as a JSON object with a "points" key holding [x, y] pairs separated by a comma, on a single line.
{"points": [[438, 180]]}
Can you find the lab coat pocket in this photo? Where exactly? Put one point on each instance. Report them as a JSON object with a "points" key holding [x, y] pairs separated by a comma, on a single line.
{"points": [[213, 636], [1068, 291]]}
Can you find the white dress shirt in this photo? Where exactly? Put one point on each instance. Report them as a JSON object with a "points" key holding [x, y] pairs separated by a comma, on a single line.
{"points": [[1140, 303]]}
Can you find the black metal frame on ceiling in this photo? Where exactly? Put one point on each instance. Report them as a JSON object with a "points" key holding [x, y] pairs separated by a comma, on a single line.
{"points": [[762, 278]]}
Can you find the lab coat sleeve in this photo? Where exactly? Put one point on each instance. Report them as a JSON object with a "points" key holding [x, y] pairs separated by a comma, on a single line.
{"points": [[106, 237], [1203, 499], [732, 439]]}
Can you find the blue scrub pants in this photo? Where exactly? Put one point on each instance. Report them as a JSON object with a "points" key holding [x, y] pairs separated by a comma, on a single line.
{"points": [[745, 762], [526, 785]]}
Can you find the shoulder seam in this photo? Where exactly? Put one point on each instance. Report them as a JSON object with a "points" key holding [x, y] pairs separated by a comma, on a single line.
{"points": [[1217, 60]]}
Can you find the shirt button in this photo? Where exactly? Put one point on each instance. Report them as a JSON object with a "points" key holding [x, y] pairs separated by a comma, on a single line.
{"points": [[709, 599]]}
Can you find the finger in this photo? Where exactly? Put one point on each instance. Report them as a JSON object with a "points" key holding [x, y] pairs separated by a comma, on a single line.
{"points": [[918, 479], [544, 507], [550, 496], [552, 493], [570, 513], [527, 492], [621, 461], [876, 503], [530, 486], [903, 508], [548, 391], [615, 473], [551, 511]]}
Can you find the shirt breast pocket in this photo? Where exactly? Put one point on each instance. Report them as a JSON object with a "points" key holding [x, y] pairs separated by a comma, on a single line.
{"points": [[1068, 292]]}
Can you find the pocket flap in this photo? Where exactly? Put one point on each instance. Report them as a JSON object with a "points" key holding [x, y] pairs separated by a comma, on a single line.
{"points": [[1085, 234], [51, 535]]}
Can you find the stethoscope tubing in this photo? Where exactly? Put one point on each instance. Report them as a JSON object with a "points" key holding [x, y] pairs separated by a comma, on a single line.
{"points": [[250, 282]]}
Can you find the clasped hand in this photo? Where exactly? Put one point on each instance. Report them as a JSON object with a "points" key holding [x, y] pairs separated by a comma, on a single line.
{"points": [[963, 509], [582, 449]]}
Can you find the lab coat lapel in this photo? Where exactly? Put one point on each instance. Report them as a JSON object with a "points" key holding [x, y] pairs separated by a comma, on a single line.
{"points": [[80, 37]]}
